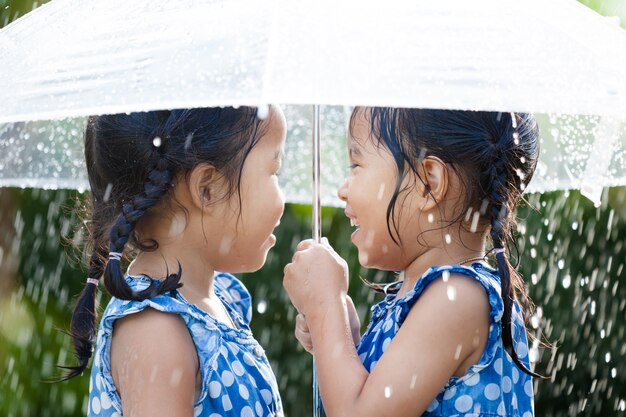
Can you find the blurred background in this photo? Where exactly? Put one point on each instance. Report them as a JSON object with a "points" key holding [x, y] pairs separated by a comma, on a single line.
{"points": [[572, 257]]}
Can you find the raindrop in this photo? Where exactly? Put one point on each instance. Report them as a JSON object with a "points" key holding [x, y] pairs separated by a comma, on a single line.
{"points": [[431, 218], [188, 141], [483, 207], [225, 245], [575, 226], [451, 291], [607, 357], [534, 278], [457, 352], [388, 391], [156, 142], [474, 224], [263, 111], [261, 307], [554, 132], [560, 263], [567, 281], [468, 214], [534, 321], [448, 238], [381, 191], [107, 192], [445, 276]]}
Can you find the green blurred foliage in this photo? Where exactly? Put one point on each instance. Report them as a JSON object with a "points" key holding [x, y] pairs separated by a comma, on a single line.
{"points": [[572, 256]]}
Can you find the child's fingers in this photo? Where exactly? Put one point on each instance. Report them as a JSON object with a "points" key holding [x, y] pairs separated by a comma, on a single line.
{"points": [[302, 333], [305, 244]]}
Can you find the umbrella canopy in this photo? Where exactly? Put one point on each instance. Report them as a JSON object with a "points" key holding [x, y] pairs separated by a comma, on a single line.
{"points": [[73, 58]]}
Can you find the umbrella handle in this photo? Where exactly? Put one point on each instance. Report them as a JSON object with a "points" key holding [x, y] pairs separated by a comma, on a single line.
{"points": [[316, 226], [316, 204]]}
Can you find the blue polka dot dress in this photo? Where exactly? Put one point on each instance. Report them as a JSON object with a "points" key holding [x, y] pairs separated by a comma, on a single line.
{"points": [[237, 379], [492, 387]]}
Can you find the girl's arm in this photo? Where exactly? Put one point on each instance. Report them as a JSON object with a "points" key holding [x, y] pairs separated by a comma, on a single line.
{"points": [[304, 336], [154, 364], [440, 334]]}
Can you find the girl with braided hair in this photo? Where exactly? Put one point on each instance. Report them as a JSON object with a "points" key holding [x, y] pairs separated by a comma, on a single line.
{"points": [[191, 192], [433, 193]]}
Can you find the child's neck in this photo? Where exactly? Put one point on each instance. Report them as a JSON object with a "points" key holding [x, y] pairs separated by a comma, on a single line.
{"points": [[197, 276], [433, 257]]}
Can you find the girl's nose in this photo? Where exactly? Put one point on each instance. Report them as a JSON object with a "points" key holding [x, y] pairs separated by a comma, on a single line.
{"points": [[342, 192]]}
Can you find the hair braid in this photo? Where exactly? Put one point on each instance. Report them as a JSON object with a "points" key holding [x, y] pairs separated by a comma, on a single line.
{"points": [[159, 180], [500, 197]]}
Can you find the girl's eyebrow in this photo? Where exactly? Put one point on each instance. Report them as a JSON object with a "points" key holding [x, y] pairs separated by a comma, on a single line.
{"points": [[354, 150]]}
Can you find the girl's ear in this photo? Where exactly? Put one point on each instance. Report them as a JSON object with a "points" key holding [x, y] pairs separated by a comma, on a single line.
{"points": [[202, 185], [435, 174]]}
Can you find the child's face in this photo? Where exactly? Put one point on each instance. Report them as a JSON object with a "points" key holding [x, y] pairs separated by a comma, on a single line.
{"points": [[367, 192], [247, 239]]}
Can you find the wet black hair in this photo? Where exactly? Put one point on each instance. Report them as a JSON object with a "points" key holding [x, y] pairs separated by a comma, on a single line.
{"points": [[132, 162], [494, 155]]}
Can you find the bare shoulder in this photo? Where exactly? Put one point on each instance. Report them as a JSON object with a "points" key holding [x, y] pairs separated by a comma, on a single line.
{"points": [[152, 331], [443, 334], [455, 309], [153, 357], [458, 292]]}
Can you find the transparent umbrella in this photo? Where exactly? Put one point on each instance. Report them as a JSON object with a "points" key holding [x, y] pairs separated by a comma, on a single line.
{"points": [[72, 58]]}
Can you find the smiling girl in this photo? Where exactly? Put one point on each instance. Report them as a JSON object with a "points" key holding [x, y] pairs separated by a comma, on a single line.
{"points": [[430, 191]]}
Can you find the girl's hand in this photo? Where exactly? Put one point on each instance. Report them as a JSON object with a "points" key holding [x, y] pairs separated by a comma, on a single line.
{"points": [[304, 337], [302, 333], [317, 275]]}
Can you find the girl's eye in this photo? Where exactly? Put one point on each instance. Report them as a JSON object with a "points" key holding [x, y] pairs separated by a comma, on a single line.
{"points": [[277, 173], [352, 166]]}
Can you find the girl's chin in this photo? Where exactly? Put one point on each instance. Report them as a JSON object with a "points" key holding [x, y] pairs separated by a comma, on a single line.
{"points": [[364, 258]]}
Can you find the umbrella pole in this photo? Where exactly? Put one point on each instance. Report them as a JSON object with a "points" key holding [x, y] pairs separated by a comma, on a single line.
{"points": [[316, 226]]}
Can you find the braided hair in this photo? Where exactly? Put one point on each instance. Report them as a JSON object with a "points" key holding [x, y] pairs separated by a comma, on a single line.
{"points": [[132, 161], [495, 155]]}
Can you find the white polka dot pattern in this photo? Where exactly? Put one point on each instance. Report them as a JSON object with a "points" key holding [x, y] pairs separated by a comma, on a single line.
{"points": [[494, 386], [235, 382]]}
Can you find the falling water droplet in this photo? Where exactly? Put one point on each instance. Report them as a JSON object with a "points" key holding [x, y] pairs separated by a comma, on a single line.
{"points": [[107, 192], [263, 111], [566, 282], [188, 140], [451, 292]]}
